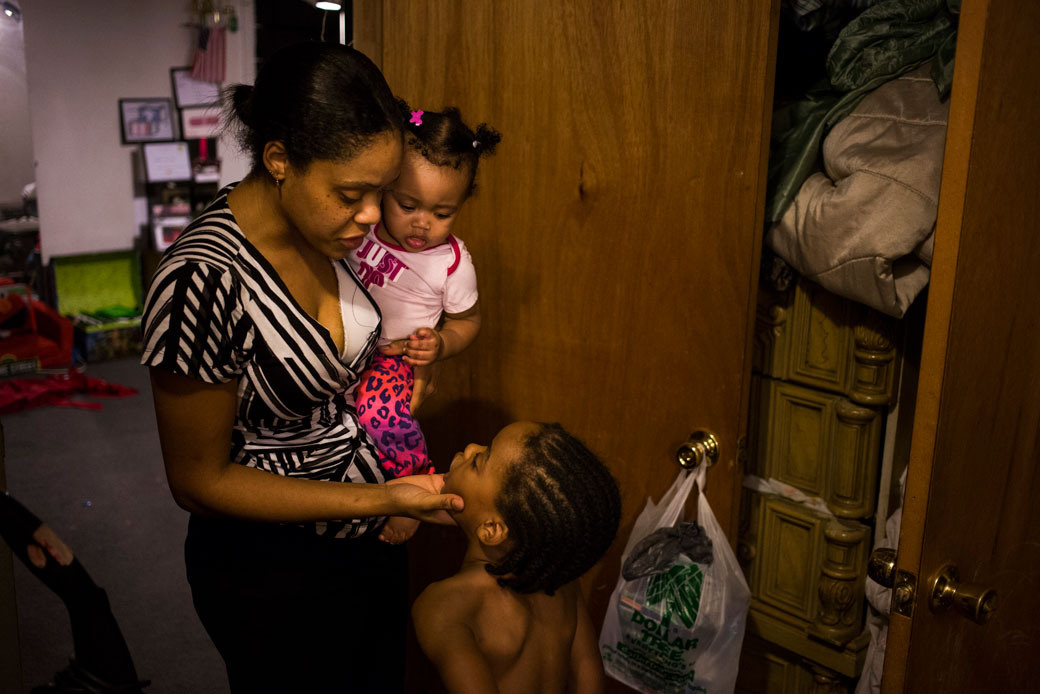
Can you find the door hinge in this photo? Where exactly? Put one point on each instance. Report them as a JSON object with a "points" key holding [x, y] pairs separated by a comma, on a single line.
{"points": [[742, 454]]}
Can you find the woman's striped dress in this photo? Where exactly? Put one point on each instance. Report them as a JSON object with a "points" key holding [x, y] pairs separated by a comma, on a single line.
{"points": [[218, 311]]}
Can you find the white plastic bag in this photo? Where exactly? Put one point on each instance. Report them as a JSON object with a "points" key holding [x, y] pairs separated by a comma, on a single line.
{"points": [[680, 630]]}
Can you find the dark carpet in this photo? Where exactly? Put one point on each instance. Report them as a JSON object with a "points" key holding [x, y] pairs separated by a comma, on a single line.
{"points": [[97, 478]]}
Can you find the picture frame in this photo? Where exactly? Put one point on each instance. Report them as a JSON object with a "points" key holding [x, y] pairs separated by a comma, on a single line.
{"points": [[188, 91], [146, 120], [165, 230], [200, 122], [167, 161]]}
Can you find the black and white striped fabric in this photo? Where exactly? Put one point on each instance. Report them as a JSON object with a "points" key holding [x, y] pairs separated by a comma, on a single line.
{"points": [[218, 311]]}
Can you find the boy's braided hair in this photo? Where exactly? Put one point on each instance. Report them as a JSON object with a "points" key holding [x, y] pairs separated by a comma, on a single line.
{"points": [[562, 508]]}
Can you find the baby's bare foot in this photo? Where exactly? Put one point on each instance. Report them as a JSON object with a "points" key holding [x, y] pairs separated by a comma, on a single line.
{"points": [[398, 529]]}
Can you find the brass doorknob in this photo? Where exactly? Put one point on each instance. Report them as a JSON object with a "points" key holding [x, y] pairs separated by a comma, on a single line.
{"points": [[701, 448], [881, 567], [974, 600]]}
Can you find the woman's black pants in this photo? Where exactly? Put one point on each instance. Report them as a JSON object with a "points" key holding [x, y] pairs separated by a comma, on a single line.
{"points": [[291, 611]]}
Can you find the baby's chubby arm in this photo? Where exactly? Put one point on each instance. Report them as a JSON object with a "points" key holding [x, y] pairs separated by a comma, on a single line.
{"points": [[440, 617], [427, 345]]}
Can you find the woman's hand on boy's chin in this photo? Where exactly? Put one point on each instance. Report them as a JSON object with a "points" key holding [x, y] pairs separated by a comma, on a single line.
{"points": [[419, 496]]}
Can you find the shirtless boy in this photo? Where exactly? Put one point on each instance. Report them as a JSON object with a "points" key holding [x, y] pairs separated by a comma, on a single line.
{"points": [[541, 509]]}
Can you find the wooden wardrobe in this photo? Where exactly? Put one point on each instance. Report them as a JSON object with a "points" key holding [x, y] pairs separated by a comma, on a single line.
{"points": [[617, 235]]}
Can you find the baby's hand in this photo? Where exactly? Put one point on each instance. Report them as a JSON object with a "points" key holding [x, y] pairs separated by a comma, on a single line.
{"points": [[421, 348], [398, 529]]}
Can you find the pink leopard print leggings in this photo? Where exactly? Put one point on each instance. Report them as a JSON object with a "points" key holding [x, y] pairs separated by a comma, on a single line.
{"points": [[384, 396]]}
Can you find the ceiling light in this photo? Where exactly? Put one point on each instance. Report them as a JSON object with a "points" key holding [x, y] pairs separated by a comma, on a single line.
{"points": [[332, 6], [11, 10]]}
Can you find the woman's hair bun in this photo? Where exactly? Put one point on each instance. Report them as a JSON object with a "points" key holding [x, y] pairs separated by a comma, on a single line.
{"points": [[242, 103], [321, 100]]}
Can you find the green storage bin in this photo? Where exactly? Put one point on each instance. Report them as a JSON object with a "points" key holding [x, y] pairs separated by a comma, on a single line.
{"points": [[101, 294]]}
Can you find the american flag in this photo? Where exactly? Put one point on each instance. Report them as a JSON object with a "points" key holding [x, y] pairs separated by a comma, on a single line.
{"points": [[208, 63]]}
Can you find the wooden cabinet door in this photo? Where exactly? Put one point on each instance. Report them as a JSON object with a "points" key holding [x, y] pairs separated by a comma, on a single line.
{"points": [[616, 232], [972, 481]]}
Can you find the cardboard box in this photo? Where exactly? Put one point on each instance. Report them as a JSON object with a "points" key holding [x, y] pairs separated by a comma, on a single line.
{"points": [[101, 294]]}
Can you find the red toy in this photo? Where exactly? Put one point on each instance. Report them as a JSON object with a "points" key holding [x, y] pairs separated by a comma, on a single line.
{"points": [[57, 391], [30, 329]]}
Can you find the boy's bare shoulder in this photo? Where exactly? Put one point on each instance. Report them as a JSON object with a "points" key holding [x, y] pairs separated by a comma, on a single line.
{"points": [[456, 598], [443, 616]]}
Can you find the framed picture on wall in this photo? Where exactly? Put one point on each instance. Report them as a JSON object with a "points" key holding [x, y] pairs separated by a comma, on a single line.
{"points": [[146, 120], [188, 91], [167, 161], [165, 230], [200, 122]]}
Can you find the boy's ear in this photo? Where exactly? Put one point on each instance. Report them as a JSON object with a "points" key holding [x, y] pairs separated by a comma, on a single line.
{"points": [[492, 532]]}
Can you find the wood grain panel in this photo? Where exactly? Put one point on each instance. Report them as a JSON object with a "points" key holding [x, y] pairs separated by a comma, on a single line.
{"points": [[875, 369], [616, 232], [799, 429], [820, 443], [789, 570], [367, 20], [822, 340], [806, 578], [855, 453], [839, 614], [765, 667], [972, 481], [810, 336]]}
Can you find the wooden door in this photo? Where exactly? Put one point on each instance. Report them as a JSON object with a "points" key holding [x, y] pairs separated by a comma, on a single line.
{"points": [[972, 481], [616, 232]]}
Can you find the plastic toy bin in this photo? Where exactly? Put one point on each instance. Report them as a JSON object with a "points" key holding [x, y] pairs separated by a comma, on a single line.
{"points": [[101, 294]]}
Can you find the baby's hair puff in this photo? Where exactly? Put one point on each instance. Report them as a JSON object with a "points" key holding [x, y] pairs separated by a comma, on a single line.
{"points": [[562, 507], [444, 139]]}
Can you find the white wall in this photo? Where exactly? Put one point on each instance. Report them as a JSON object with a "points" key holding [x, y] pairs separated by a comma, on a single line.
{"points": [[81, 58], [16, 152]]}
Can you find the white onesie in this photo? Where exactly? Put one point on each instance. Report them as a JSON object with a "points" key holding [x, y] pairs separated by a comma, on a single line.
{"points": [[412, 290]]}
